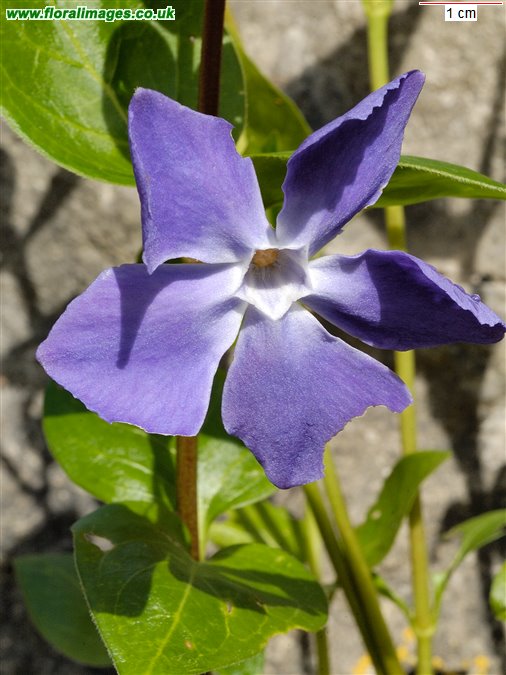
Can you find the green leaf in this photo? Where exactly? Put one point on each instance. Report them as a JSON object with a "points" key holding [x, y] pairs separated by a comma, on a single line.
{"points": [[114, 462], [229, 532], [388, 592], [119, 462], [160, 612], [264, 523], [252, 666], [272, 121], [56, 605], [67, 84], [378, 532], [418, 179], [498, 594], [271, 171], [475, 533]]}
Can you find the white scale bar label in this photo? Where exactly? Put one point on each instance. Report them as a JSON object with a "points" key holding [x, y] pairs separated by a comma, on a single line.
{"points": [[458, 12]]}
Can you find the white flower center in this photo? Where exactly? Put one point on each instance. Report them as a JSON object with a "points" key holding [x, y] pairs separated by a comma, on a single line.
{"points": [[275, 279]]}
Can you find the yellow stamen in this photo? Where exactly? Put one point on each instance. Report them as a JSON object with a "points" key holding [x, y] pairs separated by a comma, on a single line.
{"points": [[266, 257]]}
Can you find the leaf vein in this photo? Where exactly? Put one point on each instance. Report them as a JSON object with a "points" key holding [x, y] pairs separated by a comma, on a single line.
{"points": [[175, 621], [109, 91]]}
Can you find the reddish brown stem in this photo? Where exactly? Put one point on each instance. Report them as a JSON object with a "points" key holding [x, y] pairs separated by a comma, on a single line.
{"points": [[186, 481], [210, 62], [209, 97]]}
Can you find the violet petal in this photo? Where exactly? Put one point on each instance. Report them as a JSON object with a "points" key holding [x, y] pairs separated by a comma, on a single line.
{"points": [[343, 167], [199, 197], [292, 387], [393, 300], [144, 349]]}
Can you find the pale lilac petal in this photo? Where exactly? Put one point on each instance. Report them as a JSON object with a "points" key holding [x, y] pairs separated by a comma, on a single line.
{"points": [[144, 349], [292, 387], [393, 300], [199, 197], [343, 167]]}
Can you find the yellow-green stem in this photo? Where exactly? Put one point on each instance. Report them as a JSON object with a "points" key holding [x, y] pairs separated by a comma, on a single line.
{"points": [[423, 623], [312, 547], [360, 570], [344, 570], [395, 220], [322, 649], [378, 14]]}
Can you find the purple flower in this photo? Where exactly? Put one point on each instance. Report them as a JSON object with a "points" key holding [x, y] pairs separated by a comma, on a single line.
{"points": [[143, 342]]}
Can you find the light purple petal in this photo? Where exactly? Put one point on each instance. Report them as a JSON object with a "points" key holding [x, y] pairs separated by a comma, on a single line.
{"points": [[393, 300], [144, 349], [343, 167], [199, 197], [292, 387]]}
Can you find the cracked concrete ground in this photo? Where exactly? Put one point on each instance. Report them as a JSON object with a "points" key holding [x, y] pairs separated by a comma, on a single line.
{"points": [[60, 231]]}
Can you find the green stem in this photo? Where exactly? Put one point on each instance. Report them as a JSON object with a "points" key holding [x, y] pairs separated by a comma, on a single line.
{"points": [[312, 545], [378, 14], [396, 227], [361, 572], [423, 624], [345, 578], [312, 541], [322, 649]]}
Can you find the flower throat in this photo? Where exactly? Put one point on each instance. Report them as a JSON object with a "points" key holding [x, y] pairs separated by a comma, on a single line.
{"points": [[266, 257]]}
